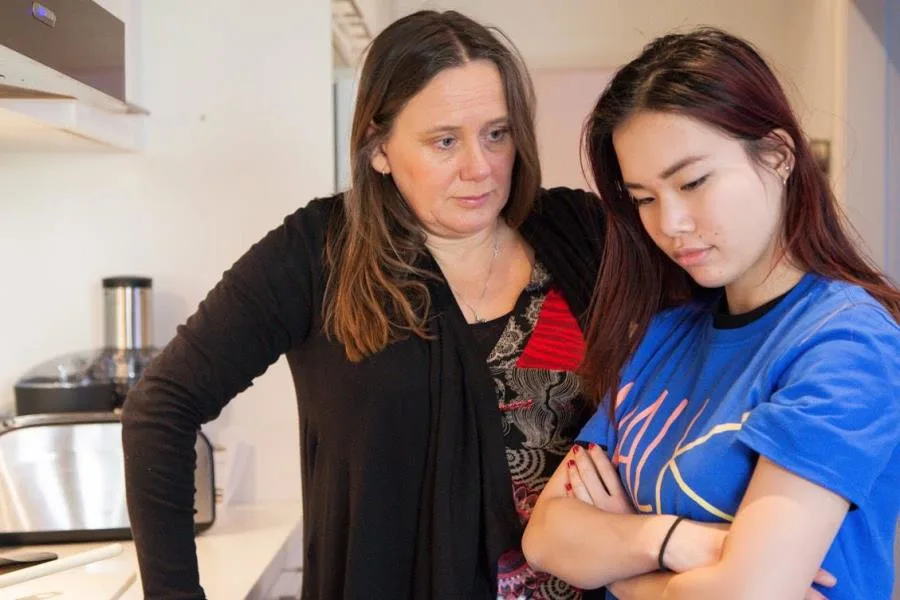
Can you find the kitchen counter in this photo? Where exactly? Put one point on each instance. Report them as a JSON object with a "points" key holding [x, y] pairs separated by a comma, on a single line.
{"points": [[243, 555]]}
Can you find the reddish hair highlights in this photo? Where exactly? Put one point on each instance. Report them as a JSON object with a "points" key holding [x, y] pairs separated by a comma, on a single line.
{"points": [[720, 80]]}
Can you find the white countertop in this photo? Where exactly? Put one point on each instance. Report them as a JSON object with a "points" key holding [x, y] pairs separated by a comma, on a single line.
{"points": [[234, 555]]}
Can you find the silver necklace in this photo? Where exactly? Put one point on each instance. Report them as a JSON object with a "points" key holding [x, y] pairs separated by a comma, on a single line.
{"points": [[495, 251]]}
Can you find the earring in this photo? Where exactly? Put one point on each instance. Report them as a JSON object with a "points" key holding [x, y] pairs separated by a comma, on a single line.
{"points": [[787, 173]]}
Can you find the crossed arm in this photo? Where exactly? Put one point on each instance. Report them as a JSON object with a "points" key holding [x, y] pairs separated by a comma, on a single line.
{"points": [[780, 535]]}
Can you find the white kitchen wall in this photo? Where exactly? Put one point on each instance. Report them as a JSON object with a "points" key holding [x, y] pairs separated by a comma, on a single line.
{"points": [[565, 97], [240, 135], [345, 88], [892, 39], [862, 104], [796, 36], [892, 196], [868, 106]]}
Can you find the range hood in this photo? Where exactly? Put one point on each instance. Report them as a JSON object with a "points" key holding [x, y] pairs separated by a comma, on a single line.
{"points": [[62, 77]]}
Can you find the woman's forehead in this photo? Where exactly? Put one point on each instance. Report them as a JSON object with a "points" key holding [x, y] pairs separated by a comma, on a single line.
{"points": [[457, 96]]}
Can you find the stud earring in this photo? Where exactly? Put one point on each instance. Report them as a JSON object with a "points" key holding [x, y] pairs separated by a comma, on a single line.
{"points": [[787, 173]]}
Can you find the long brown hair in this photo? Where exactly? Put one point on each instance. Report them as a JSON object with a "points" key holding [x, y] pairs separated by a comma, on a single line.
{"points": [[374, 293], [717, 79]]}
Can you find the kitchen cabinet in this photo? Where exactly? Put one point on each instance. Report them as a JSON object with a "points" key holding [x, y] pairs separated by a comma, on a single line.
{"points": [[30, 123], [63, 83]]}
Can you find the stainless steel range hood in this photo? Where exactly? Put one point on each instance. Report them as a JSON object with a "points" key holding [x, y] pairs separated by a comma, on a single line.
{"points": [[62, 72]]}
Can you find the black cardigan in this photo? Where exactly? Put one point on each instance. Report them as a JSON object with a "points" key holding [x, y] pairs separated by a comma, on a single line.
{"points": [[406, 490]]}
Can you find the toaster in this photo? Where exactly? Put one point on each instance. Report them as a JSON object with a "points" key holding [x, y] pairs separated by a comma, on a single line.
{"points": [[62, 479]]}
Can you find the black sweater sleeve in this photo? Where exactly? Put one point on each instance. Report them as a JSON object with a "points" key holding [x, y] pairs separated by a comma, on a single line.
{"points": [[263, 306]]}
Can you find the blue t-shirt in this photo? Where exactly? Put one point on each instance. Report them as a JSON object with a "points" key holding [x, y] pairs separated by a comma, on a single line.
{"points": [[813, 385]]}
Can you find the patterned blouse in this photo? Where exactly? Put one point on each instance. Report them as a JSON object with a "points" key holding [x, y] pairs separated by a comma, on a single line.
{"points": [[532, 354]]}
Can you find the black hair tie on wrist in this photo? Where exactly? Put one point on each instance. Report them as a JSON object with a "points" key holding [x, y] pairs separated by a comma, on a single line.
{"points": [[665, 542]]}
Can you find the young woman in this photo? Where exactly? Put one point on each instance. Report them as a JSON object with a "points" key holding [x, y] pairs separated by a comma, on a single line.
{"points": [[747, 356]]}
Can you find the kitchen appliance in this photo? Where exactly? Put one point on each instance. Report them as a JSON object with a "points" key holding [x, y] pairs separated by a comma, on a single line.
{"points": [[62, 480], [61, 463], [128, 346], [97, 380], [72, 48]]}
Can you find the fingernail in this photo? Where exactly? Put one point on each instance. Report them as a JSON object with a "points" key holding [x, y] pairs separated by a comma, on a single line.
{"points": [[592, 446], [571, 463], [575, 449], [568, 487]]}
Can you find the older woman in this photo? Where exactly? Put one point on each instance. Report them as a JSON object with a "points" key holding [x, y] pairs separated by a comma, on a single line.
{"points": [[431, 316]]}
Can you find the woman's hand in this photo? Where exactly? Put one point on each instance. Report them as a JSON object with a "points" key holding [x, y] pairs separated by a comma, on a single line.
{"points": [[594, 480]]}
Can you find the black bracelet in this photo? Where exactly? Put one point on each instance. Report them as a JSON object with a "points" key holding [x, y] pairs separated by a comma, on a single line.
{"points": [[665, 542]]}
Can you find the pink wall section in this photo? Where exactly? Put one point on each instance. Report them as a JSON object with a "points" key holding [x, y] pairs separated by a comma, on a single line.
{"points": [[565, 97]]}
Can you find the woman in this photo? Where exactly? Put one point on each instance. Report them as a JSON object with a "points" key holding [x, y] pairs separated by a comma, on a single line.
{"points": [[420, 313], [754, 380]]}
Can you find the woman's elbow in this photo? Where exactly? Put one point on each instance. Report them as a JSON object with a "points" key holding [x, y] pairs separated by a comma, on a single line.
{"points": [[544, 557], [534, 544]]}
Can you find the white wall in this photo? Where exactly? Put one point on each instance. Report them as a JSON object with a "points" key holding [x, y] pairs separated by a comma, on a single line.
{"points": [[240, 135], [868, 126], [796, 36], [892, 251], [565, 98], [861, 105]]}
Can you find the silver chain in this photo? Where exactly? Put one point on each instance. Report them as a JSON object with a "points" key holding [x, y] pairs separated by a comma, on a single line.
{"points": [[487, 278]]}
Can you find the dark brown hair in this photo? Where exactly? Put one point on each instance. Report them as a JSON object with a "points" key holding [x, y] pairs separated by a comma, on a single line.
{"points": [[374, 292], [717, 79]]}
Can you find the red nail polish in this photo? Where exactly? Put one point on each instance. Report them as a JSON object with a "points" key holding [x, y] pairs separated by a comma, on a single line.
{"points": [[575, 449], [568, 487], [592, 446], [571, 463]]}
